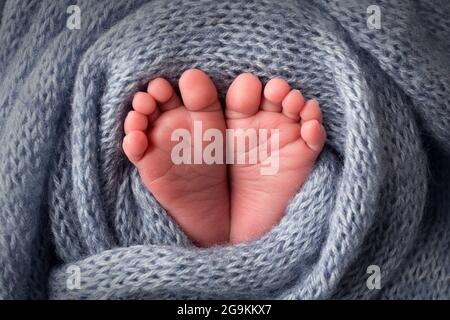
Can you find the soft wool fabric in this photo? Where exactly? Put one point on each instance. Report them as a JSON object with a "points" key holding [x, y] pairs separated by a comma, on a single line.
{"points": [[379, 194]]}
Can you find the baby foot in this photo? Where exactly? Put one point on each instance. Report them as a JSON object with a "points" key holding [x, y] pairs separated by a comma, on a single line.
{"points": [[258, 201], [195, 195]]}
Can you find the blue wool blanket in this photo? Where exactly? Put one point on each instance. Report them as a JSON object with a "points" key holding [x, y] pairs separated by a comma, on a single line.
{"points": [[371, 222]]}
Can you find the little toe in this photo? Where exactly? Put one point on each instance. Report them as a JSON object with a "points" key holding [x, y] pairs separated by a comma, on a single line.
{"points": [[135, 121], [313, 133], [311, 111], [274, 93], [134, 145], [292, 104], [198, 91], [243, 97], [144, 103], [162, 91]]}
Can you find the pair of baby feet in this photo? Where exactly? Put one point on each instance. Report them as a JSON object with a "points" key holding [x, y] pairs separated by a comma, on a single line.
{"points": [[218, 203]]}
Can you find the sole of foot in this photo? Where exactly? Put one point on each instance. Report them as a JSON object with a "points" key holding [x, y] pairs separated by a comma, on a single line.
{"points": [[258, 201], [195, 195]]}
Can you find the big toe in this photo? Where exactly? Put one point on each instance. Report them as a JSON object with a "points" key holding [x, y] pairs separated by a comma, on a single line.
{"points": [[198, 91], [243, 96]]}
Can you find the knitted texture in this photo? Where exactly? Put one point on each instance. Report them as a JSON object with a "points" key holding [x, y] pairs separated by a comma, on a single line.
{"points": [[379, 193]]}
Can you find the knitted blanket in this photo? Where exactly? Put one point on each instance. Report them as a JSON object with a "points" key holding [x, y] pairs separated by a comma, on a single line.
{"points": [[371, 222]]}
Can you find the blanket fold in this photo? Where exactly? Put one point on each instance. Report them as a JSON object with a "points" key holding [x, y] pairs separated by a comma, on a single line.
{"points": [[379, 194]]}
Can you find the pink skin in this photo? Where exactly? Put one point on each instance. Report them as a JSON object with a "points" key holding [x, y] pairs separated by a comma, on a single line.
{"points": [[258, 201], [196, 195]]}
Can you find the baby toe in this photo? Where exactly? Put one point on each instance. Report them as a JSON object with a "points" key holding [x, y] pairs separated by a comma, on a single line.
{"points": [[162, 91], [144, 103], [311, 111], [198, 91], [274, 93], [313, 133], [243, 97], [292, 104], [135, 121], [134, 145]]}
